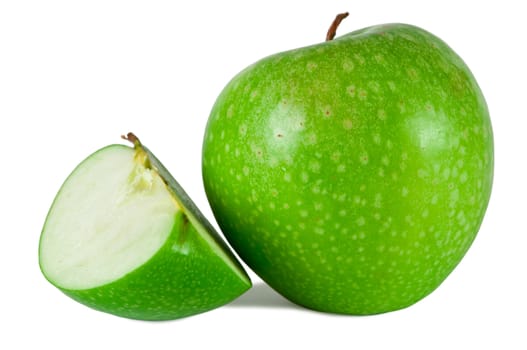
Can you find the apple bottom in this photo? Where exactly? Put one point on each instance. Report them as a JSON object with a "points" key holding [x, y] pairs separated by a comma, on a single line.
{"points": [[183, 278]]}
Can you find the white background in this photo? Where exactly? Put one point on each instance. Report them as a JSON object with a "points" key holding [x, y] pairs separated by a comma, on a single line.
{"points": [[76, 75]]}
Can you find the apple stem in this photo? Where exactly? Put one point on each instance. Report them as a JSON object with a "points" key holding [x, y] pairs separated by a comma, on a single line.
{"points": [[333, 28], [132, 138]]}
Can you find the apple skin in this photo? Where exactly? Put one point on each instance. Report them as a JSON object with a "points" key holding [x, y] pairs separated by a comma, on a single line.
{"points": [[171, 285], [353, 175]]}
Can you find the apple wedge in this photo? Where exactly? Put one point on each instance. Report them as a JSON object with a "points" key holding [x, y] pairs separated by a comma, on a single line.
{"points": [[123, 237]]}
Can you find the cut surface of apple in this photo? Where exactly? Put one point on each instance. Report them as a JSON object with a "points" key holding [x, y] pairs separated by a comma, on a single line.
{"points": [[123, 237]]}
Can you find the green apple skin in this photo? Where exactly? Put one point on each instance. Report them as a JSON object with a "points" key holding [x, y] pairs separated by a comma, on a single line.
{"points": [[175, 283], [353, 175], [194, 270]]}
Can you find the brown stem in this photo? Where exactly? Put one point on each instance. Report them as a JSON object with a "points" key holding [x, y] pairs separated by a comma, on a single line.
{"points": [[333, 29], [132, 138]]}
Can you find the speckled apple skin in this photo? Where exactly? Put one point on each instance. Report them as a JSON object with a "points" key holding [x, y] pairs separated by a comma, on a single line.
{"points": [[183, 278], [353, 175]]}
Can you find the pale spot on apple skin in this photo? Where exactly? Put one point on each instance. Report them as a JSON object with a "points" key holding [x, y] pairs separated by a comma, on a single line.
{"points": [[454, 196], [311, 139], [402, 106], [348, 65], [352, 90], [377, 203], [335, 156], [361, 221], [379, 58], [242, 130], [314, 166], [327, 112], [230, 111], [422, 173], [347, 124], [359, 58], [311, 66], [363, 158], [412, 74], [374, 86], [357, 199], [363, 94], [258, 152]]}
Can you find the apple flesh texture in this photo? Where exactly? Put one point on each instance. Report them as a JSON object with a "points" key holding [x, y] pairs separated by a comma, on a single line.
{"points": [[353, 175], [123, 237]]}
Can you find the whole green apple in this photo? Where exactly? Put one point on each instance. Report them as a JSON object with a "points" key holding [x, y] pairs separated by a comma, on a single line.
{"points": [[353, 175]]}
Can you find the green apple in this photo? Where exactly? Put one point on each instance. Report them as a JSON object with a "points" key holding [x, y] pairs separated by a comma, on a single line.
{"points": [[352, 175], [123, 237]]}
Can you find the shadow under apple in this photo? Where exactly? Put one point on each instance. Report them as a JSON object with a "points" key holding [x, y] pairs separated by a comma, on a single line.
{"points": [[261, 295]]}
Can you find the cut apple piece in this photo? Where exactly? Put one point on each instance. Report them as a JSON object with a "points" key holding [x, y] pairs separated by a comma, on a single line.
{"points": [[124, 238]]}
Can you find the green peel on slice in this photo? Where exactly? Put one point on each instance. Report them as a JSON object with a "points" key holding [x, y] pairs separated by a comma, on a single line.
{"points": [[123, 237]]}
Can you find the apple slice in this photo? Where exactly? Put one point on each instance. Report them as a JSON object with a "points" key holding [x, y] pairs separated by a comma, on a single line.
{"points": [[123, 237]]}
